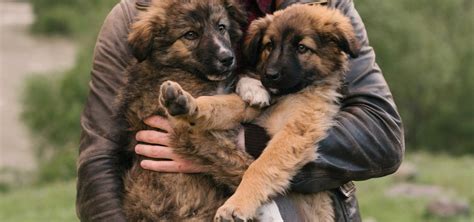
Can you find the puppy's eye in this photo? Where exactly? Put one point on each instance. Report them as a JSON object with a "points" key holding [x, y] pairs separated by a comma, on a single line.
{"points": [[191, 35], [222, 28], [268, 46], [302, 49]]}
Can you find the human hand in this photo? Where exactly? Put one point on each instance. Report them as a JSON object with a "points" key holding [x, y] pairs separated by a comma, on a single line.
{"points": [[168, 162]]}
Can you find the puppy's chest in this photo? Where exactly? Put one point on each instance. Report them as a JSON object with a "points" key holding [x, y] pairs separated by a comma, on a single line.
{"points": [[276, 117], [300, 109]]}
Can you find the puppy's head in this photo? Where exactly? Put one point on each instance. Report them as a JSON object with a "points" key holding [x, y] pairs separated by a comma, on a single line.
{"points": [[198, 36], [300, 46]]}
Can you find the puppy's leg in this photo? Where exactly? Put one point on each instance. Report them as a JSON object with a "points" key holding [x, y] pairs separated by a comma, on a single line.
{"points": [[252, 91], [267, 176], [288, 151], [219, 112], [216, 151], [176, 101]]}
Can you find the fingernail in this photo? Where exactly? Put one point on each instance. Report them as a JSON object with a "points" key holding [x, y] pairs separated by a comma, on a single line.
{"points": [[144, 164], [138, 149], [138, 136]]}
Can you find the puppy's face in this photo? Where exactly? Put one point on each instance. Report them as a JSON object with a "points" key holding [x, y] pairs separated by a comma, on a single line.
{"points": [[195, 35], [300, 46]]}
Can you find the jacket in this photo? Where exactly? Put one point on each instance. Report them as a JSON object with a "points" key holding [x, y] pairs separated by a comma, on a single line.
{"points": [[366, 141]]}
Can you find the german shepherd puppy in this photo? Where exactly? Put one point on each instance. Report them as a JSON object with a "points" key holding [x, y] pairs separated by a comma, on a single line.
{"points": [[191, 42], [300, 54]]}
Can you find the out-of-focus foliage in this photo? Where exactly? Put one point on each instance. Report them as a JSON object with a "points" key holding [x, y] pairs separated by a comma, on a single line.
{"points": [[426, 51], [52, 106], [69, 17]]}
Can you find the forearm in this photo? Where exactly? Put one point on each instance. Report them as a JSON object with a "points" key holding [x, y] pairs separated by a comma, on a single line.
{"points": [[99, 183], [100, 163]]}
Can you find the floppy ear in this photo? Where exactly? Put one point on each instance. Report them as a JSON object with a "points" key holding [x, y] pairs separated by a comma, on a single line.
{"points": [[345, 38], [236, 12], [142, 34], [252, 46]]}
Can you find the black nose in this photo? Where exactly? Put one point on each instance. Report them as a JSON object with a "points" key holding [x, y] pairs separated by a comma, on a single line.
{"points": [[227, 60], [225, 57], [272, 75]]}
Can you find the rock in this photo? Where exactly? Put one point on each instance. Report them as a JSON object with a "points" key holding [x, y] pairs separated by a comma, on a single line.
{"points": [[413, 190], [406, 172], [369, 219], [445, 207]]}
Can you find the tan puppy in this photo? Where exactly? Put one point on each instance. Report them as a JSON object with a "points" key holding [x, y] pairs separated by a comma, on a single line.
{"points": [[300, 55]]}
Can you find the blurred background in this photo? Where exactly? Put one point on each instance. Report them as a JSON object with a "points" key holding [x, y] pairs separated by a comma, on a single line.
{"points": [[425, 49]]}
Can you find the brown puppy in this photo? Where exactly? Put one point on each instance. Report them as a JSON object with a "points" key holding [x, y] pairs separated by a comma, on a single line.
{"points": [[300, 54], [190, 42]]}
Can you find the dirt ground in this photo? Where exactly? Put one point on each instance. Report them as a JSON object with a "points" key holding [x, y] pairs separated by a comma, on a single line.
{"points": [[23, 55]]}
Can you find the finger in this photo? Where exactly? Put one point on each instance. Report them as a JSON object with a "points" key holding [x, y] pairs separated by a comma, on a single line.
{"points": [[159, 123], [170, 166], [153, 137], [161, 152]]}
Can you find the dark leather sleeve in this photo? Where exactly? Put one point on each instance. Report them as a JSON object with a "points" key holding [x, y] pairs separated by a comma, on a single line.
{"points": [[99, 184], [367, 139]]}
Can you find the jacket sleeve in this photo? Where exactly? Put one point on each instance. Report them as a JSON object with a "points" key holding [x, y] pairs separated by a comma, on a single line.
{"points": [[99, 184], [367, 139]]}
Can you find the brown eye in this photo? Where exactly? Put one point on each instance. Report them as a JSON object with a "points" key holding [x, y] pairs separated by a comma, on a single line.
{"points": [[191, 35], [222, 29], [268, 46], [302, 49]]}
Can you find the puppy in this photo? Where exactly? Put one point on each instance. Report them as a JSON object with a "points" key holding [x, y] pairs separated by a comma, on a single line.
{"points": [[301, 55], [190, 42]]}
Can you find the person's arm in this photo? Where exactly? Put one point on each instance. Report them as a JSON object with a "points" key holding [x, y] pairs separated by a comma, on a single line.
{"points": [[367, 139], [99, 184]]}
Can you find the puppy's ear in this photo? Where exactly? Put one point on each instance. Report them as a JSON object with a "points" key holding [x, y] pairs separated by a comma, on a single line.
{"points": [[142, 34], [252, 46], [236, 12], [345, 37]]}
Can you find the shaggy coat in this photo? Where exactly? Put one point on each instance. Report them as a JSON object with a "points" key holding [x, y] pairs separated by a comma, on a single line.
{"points": [[190, 42], [300, 54]]}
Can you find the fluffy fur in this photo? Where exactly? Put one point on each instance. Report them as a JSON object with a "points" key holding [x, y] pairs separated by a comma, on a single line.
{"points": [[300, 54], [190, 42]]}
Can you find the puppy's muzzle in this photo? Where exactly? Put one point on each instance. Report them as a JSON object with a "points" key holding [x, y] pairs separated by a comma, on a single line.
{"points": [[272, 75], [225, 58]]}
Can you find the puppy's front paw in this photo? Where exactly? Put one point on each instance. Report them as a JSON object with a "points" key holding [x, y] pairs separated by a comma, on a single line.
{"points": [[176, 100], [252, 91], [230, 213]]}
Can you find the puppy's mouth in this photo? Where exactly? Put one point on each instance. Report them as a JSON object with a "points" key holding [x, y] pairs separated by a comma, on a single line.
{"points": [[219, 77]]}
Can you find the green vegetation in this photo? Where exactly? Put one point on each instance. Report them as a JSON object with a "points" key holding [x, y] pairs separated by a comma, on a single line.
{"points": [[452, 174], [425, 50], [55, 202], [52, 106]]}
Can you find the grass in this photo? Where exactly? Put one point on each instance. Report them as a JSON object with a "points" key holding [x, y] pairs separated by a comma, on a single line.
{"points": [[51, 203], [455, 175], [55, 202]]}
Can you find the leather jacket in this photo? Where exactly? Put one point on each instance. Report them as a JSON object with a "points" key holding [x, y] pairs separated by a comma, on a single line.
{"points": [[366, 142]]}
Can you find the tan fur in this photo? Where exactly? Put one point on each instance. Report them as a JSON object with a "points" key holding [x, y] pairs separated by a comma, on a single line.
{"points": [[296, 121]]}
